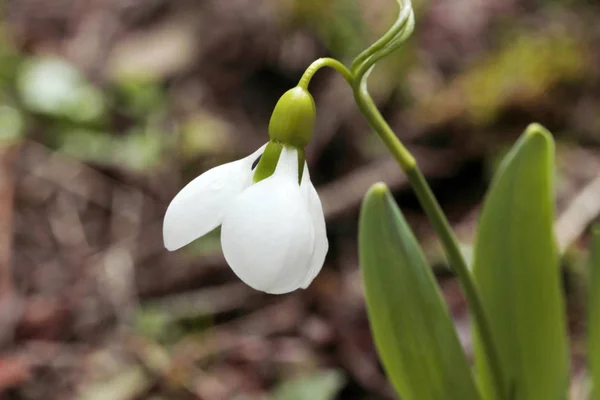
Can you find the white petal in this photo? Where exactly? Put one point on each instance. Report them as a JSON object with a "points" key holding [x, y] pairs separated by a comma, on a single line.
{"points": [[287, 165], [267, 234], [321, 245], [199, 207]]}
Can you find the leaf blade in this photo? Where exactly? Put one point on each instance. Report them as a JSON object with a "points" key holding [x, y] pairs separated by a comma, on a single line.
{"points": [[411, 325], [517, 272]]}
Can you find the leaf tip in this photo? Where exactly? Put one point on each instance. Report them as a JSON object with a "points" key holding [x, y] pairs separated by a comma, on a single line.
{"points": [[377, 195], [539, 137], [379, 188], [537, 130]]}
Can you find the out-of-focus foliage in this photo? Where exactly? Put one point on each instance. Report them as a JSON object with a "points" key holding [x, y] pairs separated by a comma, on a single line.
{"points": [[54, 87], [204, 133], [9, 60], [339, 23], [77, 112], [138, 151], [593, 333], [521, 71], [127, 384], [11, 124], [322, 385]]}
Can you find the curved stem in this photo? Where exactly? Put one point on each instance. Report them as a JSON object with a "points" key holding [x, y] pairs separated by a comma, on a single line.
{"points": [[324, 62], [357, 78], [367, 107], [407, 26], [405, 8], [441, 226]]}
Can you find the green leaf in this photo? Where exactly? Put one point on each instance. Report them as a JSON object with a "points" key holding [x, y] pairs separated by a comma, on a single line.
{"points": [[517, 271], [412, 328], [594, 314], [323, 385]]}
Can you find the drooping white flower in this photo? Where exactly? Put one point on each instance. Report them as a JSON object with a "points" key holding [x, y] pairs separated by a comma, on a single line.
{"points": [[273, 232]]}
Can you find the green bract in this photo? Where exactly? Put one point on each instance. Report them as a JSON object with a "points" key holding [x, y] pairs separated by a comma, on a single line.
{"points": [[291, 125], [293, 120], [269, 158]]}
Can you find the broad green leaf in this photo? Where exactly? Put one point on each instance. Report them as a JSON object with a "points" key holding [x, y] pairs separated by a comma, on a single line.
{"points": [[411, 326], [517, 272], [594, 314]]}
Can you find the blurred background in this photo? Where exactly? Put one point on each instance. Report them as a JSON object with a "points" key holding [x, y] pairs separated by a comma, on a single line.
{"points": [[109, 107]]}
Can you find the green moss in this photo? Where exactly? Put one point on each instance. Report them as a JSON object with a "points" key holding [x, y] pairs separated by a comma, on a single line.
{"points": [[522, 70]]}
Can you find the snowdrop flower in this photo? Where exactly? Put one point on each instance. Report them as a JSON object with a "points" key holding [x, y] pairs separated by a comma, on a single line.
{"points": [[272, 225]]}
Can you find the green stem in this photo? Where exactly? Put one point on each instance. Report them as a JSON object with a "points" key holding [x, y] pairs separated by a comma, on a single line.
{"points": [[406, 27], [383, 41], [440, 224], [357, 78], [320, 63], [367, 107]]}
